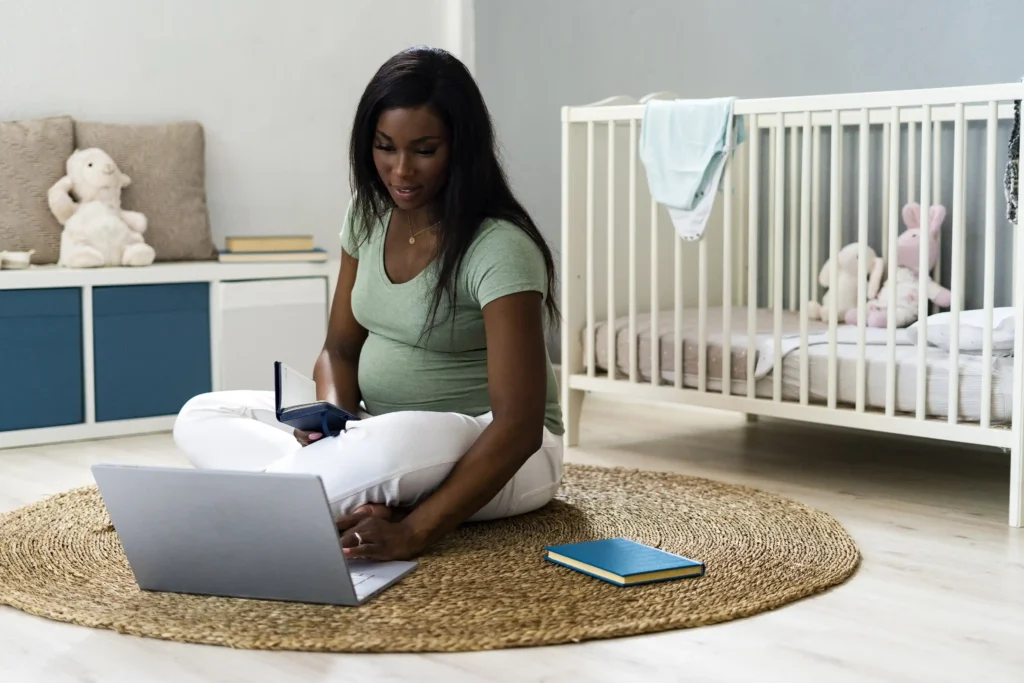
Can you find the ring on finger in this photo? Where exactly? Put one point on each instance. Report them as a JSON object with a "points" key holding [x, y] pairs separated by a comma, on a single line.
{"points": [[359, 539]]}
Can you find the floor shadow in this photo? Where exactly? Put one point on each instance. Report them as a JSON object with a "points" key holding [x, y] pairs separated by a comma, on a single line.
{"points": [[968, 478]]}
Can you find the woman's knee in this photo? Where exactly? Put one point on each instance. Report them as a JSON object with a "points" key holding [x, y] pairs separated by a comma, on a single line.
{"points": [[193, 412], [193, 421], [402, 438]]}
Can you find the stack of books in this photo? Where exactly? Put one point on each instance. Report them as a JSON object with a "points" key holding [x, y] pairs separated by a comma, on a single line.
{"points": [[271, 249]]}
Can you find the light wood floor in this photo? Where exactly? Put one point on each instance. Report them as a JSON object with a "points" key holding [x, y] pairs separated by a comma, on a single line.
{"points": [[939, 597]]}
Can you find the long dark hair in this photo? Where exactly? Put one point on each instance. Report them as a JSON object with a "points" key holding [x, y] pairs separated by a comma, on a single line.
{"points": [[476, 187]]}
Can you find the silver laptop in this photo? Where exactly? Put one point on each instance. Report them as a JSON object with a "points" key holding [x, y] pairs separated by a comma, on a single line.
{"points": [[236, 534]]}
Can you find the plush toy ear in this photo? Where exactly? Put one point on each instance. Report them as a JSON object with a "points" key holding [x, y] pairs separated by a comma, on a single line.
{"points": [[823, 275], [936, 215], [912, 215]]}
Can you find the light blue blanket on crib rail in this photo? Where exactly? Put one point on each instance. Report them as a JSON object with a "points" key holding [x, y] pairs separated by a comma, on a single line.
{"points": [[684, 145]]}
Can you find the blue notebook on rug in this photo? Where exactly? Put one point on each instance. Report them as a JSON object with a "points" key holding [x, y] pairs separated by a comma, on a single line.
{"points": [[623, 562]]}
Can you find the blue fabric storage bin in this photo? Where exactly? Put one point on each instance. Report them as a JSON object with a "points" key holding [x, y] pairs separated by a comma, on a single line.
{"points": [[41, 355], [152, 348]]}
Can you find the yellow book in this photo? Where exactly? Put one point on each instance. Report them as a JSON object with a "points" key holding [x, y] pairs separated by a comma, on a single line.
{"points": [[270, 243]]}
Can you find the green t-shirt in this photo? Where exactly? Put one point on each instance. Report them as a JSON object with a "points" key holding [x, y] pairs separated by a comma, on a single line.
{"points": [[401, 368]]}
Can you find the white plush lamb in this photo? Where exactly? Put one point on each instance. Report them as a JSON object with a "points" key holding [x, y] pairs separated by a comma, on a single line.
{"points": [[97, 231], [847, 283]]}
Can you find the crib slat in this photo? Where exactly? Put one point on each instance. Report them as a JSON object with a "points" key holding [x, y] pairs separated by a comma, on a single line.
{"points": [[702, 317], [753, 205], [806, 167], [633, 351], [957, 265], [892, 230], [591, 345], [815, 213], [911, 161], [862, 258], [963, 205], [677, 343], [1016, 462], [922, 264], [835, 192], [937, 193], [739, 244], [727, 276], [793, 265], [655, 305], [778, 252], [842, 179], [772, 225], [886, 128], [990, 258], [613, 331]]}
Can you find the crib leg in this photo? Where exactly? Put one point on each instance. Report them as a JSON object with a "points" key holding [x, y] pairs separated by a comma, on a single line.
{"points": [[1016, 486], [572, 409], [752, 418]]}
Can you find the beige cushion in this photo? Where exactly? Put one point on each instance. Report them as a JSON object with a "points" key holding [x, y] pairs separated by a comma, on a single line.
{"points": [[167, 165], [32, 157]]}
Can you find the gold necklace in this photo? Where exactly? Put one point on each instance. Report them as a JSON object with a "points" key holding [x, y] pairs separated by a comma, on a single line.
{"points": [[412, 235]]}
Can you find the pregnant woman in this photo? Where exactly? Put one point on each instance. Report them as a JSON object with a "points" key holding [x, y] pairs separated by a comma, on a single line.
{"points": [[436, 334]]}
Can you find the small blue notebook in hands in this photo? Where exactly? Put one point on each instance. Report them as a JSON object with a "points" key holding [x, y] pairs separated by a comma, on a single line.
{"points": [[296, 405], [623, 562]]}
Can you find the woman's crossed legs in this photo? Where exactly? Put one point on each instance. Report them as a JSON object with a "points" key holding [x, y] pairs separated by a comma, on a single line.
{"points": [[396, 459]]}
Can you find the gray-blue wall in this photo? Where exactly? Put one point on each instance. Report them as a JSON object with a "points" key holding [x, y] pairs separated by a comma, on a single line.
{"points": [[534, 56]]}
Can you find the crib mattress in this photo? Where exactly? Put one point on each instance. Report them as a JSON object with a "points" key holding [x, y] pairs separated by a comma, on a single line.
{"points": [[875, 355]]}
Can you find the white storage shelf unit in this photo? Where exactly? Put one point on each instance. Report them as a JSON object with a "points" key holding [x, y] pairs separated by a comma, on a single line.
{"points": [[117, 351]]}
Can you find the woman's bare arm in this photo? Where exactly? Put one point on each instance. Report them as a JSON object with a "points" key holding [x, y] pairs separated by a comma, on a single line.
{"points": [[336, 371]]}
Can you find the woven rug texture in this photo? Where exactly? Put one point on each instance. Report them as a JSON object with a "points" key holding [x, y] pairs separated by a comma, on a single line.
{"points": [[486, 586]]}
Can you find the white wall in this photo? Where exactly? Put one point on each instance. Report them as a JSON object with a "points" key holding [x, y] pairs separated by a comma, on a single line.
{"points": [[274, 83]]}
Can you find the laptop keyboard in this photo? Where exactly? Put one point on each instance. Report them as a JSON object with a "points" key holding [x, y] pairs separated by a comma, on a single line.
{"points": [[359, 577]]}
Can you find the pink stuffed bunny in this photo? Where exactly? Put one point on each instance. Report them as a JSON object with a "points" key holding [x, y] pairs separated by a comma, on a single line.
{"points": [[908, 254]]}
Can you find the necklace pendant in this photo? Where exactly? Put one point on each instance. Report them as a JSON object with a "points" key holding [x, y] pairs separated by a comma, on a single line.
{"points": [[412, 240]]}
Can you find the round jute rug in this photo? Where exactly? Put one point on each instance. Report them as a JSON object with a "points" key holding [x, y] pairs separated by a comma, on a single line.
{"points": [[486, 586]]}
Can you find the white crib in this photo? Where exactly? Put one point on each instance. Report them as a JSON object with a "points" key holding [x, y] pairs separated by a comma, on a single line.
{"points": [[734, 303]]}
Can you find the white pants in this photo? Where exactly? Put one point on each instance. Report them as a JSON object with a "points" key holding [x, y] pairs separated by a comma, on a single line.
{"points": [[396, 459]]}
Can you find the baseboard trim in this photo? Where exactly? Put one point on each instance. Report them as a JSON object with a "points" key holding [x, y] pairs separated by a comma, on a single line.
{"points": [[86, 431]]}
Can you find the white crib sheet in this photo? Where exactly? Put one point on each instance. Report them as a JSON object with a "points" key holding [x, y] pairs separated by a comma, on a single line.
{"points": [[876, 358]]}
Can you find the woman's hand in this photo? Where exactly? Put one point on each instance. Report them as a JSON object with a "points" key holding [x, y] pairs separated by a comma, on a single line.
{"points": [[306, 438], [377, 539]]}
